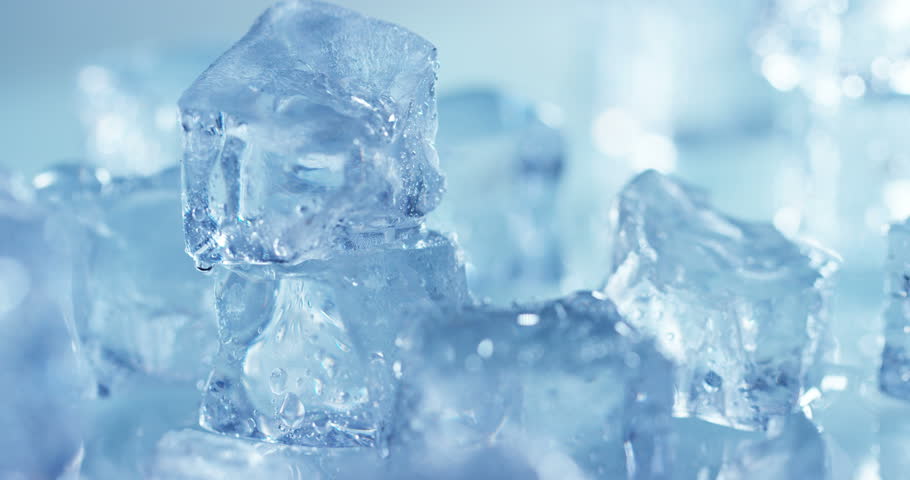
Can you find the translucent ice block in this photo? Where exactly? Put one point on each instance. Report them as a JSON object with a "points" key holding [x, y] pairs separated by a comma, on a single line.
{"points": [[503, 167], [894, 378], [737, 305], [40, 364], [710, 452], [318, 123], [567, 384], [140, 306], [311, 357]]}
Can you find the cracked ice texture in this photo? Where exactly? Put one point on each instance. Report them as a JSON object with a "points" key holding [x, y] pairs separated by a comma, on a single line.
{"points": [[737, 305], [317, 125], [894, 377], [567, 384]]}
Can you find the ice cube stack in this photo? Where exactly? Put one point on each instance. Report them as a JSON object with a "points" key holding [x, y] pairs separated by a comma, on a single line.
{"points": [[327, 332]]}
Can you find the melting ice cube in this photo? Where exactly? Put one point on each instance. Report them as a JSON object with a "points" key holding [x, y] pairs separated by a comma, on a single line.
{"points": [[739, 307]]}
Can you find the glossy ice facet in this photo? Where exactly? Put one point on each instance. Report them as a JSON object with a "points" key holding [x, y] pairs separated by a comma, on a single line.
{"points": [[311, 357], [567, 384], [503, 168], [737, 305], [317, 124], [140, 306]]}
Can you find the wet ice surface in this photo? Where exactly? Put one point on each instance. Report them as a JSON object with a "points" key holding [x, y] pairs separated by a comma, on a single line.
{"points": [[895, 371], [316, 125], [741, 308], [504, 165], [312, 357]]}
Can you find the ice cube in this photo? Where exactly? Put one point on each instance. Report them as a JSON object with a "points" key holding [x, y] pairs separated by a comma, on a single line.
{"points": [[40, 364], [503, 167], [317, 124], [894, 378], [567, 384], [738, 306], [310, 357], [140, 306], [707, 452]]}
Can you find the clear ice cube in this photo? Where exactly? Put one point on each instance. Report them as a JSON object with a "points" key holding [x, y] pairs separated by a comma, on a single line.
{"points": [[310, 357], [894, 377], [40, 363], [735, 304], [140, 306], [567, 385], [503, 166], [319, 122]]}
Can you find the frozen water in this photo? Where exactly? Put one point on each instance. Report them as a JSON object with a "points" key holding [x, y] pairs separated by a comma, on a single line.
{"points": [[895, 372], [705, 451], [40, 418], [739, 307], [567, 384], [140, 306], [128, 107], [503, 167], [316, 125], [311, 357]]}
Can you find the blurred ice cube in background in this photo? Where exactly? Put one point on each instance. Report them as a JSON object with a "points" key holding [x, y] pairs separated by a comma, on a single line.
{"points": [[786, 111]]}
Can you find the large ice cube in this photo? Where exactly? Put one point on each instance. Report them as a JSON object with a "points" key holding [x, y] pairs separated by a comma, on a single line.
{"points": [[503, 167], [318, 123], [739, 307], [894, 378], [567, 384], [311, 357], [40, 365], [140, 306]]}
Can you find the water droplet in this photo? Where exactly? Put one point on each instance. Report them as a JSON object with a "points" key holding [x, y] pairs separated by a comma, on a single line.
{"points": [[291, 411], [318, 386], [396, 368], [713, 381], [278, 381]]}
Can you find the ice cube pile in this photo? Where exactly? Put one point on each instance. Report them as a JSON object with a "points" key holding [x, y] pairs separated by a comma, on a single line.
{"points": [[289, 302]]}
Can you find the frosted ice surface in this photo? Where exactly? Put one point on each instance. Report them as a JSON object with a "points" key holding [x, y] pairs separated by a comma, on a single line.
{"points": [[504, 166], [737, 305], [318, 124], [311, 357], [567, 385], [140, 306]]}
